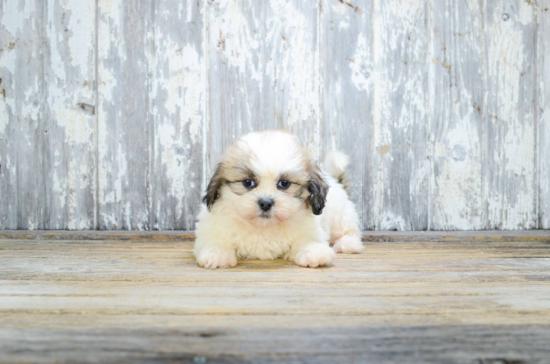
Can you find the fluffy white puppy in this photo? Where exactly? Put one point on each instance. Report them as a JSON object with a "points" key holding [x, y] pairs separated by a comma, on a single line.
{"points": [[268, 199]]}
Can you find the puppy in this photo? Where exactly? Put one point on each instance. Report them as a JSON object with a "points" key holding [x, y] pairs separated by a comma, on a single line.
{"points": [[268, 199]]}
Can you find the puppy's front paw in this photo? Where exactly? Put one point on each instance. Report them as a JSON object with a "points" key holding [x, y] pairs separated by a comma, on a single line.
{"points": [[213, 258], [348, 244], [315, 255]]}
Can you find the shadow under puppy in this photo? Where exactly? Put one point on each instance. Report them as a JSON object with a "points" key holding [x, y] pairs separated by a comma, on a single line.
{"points": [[268, 199]]}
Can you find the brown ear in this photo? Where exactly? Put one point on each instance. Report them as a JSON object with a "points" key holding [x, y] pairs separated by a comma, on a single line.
{"points": [[317, 188], [214, 186]]}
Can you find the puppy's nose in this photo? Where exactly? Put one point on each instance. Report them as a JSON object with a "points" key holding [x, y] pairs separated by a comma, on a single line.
{"points": [[266, 203]]}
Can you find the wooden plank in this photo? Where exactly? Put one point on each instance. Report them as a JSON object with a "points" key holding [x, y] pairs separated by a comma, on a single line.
{"points": [[447, 302], [21, 115], [210, 324], [457, 236], [74, 290], [347, 94], [178, 96], [98, 235], [457, 116], [447, 344], [69, 68], [162, 262], [543, 84], [511, 33], [251, 303], [507, 298], [370, 236], [263, 71], [401, 165], [148, 246], [124, 127]]}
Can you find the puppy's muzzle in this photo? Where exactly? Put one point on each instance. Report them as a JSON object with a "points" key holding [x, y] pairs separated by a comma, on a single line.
{"points": [[266, 204]]}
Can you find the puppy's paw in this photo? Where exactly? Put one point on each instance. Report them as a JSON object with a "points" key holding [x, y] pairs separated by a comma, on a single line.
{"points": [[348, 244], [213, 258], [315, 255]]}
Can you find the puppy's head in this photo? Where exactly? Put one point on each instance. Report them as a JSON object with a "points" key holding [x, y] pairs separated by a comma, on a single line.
{"points": [[267, 178]]}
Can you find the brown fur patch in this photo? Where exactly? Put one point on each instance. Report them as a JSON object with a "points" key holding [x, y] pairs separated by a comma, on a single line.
{"points": [[317, 188], [213, 189]]}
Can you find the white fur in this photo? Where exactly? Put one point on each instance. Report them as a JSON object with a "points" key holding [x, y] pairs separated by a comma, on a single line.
{"points": [[336, 163], [233, 228]]}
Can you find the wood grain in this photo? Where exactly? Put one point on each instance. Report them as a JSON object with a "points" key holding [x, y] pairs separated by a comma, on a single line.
{"points": [[114, 113], [458, 114], [69, 108], [178, 103], [543, 81], [263, 71], [401, 165], [22, 123], [124, 126], [147, 300], [347, 94], [511, 65], [483, 344]]}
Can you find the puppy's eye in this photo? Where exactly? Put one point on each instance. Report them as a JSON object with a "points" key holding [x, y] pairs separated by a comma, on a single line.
{"points": [[283, 184], [248, 183]]}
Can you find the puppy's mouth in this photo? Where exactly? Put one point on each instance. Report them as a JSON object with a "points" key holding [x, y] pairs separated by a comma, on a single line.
{"points": [[265, 215]]}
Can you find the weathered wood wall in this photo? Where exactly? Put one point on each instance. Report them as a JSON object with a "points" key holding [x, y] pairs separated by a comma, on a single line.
{"points": [[113, 112]]}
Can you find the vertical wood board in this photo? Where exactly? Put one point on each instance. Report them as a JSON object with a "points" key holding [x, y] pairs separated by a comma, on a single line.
{"points": [[69, 108], [347, 94], [511, 126], [178, 104], [457, 109], [22, 188], [124, 129], [401, 165], [543, 84]]}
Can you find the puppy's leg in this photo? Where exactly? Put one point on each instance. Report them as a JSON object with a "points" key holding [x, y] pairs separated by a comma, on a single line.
{"points": [[315, 255], [345, 232], [214, 256], [348, 244], [212, 248], [310, 253]]}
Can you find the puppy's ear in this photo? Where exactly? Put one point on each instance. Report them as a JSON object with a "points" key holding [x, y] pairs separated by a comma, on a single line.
{"points": [[214, 186], [317, 188]]}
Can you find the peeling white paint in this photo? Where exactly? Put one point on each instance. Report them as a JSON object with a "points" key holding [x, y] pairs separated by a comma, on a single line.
{"points": [[511, 194], [526, 12], [81, 25], [303, 85], [14, 15], [31, 107], [232, 36], [399, 115], [174, 165], [8, 61], [184, 86], [507, 44], [343, 25], [4, 116], [265, 58], [359, 65]]}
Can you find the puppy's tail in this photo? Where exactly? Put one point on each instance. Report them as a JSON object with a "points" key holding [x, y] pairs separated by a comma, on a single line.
{"points": [[336, 164]]}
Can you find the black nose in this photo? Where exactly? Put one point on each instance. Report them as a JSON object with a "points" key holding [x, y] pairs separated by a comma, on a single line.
{"points": [[265, 204]]}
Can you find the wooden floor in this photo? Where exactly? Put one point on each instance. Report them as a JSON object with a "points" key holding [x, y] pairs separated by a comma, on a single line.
{"points": [[103, 298]]}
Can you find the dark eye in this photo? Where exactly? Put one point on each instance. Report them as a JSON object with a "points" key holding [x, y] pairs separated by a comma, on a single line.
{"points": [[248, 183], [283, 185]]}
